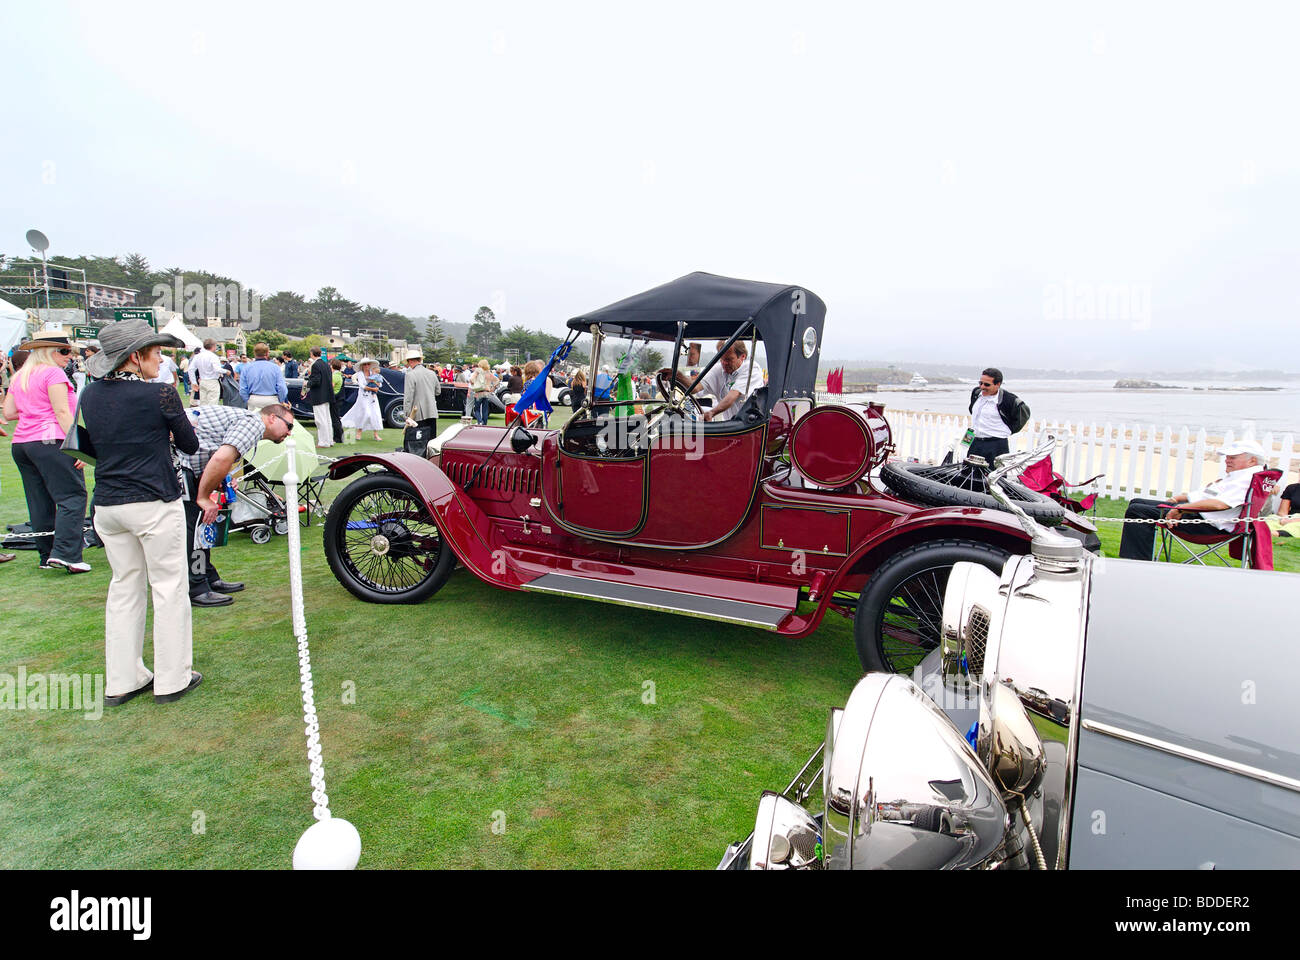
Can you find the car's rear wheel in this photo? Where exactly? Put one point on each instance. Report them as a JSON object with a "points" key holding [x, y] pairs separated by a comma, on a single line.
{"points": [[383, 544], [900, 613]]}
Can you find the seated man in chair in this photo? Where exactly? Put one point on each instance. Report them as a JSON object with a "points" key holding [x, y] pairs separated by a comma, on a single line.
{"points": [[1217, 506]]}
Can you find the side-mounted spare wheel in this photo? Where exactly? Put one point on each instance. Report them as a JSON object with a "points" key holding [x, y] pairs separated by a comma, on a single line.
{"points": [[383, 544], [964, 485], [900, 612]]}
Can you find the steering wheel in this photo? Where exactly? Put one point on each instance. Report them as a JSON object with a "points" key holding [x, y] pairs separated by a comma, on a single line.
{"points": [[677, 398]]}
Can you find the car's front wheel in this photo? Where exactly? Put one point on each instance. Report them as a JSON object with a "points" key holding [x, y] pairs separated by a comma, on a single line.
{"points": [[900, 613], [383, 544]]}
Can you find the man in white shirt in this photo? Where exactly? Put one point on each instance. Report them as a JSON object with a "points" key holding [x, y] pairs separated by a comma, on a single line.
{"points": [[995, 416], [738, 379], [1217, 506], [166, 371], [209, 370]]}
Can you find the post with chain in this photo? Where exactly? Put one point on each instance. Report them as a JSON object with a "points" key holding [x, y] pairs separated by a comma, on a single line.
{"points": [[331, 843]]}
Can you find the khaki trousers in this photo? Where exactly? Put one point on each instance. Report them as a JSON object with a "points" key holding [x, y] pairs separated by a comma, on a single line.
{"points": [[209, 393], [145, 545], [324, 428], [256, 401]]}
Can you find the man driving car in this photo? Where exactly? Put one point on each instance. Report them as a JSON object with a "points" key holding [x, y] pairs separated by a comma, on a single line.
{"points": [[731, 380]]}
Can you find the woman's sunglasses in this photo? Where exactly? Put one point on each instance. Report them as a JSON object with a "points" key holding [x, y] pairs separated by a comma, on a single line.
{"points": [[64, 351]]}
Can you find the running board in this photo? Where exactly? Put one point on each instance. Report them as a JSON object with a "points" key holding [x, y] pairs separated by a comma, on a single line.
{"points": [[670, 601]]}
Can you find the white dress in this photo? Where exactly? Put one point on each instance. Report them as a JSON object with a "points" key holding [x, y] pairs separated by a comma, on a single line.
{"points": [[364, 413]]}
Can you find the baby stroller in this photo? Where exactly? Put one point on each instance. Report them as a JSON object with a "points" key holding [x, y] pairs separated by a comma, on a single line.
{"points": [[258, 509], [261, 504]]}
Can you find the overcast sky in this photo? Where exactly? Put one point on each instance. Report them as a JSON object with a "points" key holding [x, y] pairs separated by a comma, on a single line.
{"points": [[1101, 186]]}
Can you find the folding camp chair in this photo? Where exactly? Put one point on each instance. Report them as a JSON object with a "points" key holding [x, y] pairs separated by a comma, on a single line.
{"points": [[1041, 478], [1246, 543], [311, 493]]}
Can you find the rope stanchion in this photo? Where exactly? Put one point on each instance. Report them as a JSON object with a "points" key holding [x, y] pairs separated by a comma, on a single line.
{"points": [[330, 843]]}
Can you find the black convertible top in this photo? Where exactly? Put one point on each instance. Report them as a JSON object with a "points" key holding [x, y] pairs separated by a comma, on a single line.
{"points": [[713, 307]]}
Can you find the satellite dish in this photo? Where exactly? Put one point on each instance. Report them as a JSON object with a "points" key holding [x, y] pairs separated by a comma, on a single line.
{"points": [[38, 241]]}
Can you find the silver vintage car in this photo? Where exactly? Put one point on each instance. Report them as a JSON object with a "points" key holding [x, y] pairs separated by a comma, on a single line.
{"points": [[1080, 712]]}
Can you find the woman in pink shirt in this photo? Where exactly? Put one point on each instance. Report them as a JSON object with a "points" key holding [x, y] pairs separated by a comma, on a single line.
{"points": [[43, 401]]}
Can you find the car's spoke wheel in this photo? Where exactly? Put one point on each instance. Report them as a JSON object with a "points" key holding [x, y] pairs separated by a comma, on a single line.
{"points": [[900, 613], [383, 544]]}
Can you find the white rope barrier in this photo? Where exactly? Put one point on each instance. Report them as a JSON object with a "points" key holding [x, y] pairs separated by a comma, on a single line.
{"points": [[330, 843]]}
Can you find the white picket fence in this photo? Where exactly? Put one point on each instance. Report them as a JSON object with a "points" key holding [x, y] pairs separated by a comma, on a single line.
{"points": [[1134, 459]]}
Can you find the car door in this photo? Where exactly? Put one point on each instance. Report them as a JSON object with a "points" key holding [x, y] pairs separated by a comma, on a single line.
{"points": [[702, 481], [592, 485]]}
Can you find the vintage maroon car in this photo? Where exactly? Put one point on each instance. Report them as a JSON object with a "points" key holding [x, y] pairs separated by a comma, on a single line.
{"points": [[769, 519]]}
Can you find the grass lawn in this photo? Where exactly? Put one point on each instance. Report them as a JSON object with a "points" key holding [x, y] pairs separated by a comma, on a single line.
{"points": [[478, 708]]}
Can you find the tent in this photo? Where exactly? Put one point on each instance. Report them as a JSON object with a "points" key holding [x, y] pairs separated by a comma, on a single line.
{"points": [[176, 327], [13, 326]]}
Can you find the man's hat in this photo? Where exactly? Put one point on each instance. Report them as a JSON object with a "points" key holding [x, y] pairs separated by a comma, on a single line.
{"points": [[414, 355], [1244, 446], [119, 340]]}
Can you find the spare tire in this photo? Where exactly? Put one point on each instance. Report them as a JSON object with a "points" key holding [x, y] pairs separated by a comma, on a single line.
{"points": [[964, 485]]}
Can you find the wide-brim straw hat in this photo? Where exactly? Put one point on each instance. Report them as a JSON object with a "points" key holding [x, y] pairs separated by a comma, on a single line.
{"points": [[46, 340], [119, 340], [364, 360], [414, 355]]}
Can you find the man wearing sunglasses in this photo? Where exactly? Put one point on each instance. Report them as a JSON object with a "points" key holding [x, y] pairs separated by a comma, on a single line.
{"points": [[995, 415], [225, 435]]}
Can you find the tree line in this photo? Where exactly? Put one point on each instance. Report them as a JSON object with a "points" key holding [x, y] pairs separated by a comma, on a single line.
{"points": [[288, 313]]}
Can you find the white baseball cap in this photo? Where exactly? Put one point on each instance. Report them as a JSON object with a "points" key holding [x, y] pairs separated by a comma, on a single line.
{"points": [[1244, 446]]}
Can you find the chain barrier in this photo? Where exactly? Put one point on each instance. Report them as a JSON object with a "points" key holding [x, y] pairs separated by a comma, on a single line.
{"points": [[1174, 523]]}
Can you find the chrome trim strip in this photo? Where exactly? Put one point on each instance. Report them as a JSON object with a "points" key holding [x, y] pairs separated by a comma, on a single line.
{"points": [[1066, 826], [1187, 753]]}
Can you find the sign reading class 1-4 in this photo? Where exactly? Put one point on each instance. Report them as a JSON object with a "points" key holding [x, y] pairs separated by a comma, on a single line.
{"points": [[146, 315], [85, 333]]}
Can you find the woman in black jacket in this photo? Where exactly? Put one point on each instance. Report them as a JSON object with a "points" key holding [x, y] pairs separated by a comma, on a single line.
{"points": [[138, 512]]}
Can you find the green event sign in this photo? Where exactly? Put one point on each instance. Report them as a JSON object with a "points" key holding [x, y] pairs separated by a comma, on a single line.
{"points": [[85, 333], [146, 315]]}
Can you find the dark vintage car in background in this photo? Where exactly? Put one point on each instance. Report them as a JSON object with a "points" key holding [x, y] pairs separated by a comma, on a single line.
{"points": [[1081, 712], [451, 398], [770, 520], [390, 397]]}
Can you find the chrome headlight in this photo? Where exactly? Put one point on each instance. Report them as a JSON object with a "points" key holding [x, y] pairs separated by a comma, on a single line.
{"points": [[1008, 742], [903, 789], [785, 836]]}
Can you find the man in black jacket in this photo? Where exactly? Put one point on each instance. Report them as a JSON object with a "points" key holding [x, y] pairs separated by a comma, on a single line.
{"points": [[320, 395], [995, 415]]}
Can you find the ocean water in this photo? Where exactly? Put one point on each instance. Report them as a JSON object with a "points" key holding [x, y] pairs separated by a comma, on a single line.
{"points": [[1097, 401]]}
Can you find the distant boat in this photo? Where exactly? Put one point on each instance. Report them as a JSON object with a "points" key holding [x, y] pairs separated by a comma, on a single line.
{"points": [[918, 381]]}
